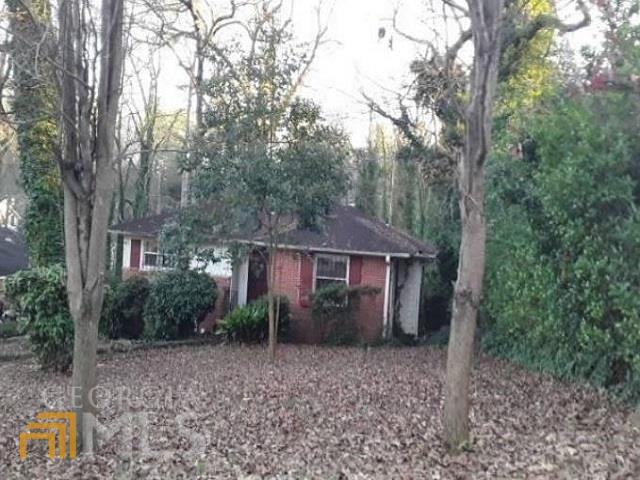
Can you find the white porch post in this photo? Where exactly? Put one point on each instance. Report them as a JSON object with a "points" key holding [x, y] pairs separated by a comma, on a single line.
{"points": [[243, 281], [386, 321], [126, 253], [409, 289]]}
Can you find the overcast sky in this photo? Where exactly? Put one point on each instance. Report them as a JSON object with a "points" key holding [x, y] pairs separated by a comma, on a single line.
{"points": [[356, 60]]}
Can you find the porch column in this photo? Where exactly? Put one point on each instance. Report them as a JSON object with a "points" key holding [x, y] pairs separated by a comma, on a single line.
{"points": [[243, 281], [387, 321], [409, 285]]}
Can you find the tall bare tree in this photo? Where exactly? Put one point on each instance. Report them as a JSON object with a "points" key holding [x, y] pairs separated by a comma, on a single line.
{"points": [[441, 85], [485, 18], [88, 108], [196, 24], [487, 36]]}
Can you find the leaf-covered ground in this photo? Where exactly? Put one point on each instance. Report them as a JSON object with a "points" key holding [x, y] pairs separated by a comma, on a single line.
{"points": [[327, 413]]}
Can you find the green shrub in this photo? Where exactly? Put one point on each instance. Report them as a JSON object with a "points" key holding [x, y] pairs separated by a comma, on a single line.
{"points": [[250, 323], [40, 296], [178, 300], [439, 338], [105, 327], [562, 254], [9, 329], [247, 323], [123, 310], [333, 310]]}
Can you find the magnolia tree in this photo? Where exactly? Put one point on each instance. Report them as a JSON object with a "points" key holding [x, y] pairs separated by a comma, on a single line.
{"points": [[268, 154]]}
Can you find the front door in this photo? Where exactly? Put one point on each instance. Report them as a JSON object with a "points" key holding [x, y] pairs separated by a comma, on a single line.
{"points": [[257, 281], [136, 249]]}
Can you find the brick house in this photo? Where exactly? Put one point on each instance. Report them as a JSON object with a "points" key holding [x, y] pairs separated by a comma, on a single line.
{"points": [[349, 247]]}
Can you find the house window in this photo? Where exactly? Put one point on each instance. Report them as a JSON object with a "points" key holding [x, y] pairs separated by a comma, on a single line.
{"points": [[330, 269], [153, 258]]}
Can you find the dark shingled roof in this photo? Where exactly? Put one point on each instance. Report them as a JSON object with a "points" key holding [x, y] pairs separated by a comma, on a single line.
{"points": [[348, 229], [345, 229], [13, 252], [149, 226]]}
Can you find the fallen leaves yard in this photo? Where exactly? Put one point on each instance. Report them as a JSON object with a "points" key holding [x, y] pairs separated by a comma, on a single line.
{"points": [[329, 413]]}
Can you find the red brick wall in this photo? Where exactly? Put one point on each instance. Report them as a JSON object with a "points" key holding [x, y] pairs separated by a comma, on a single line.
{"points": [[370, 314], [371, 311], [288, 283], [210, 321], [224, 293]]}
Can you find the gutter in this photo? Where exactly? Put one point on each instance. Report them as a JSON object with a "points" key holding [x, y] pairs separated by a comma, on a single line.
{"points": [[339, 251], [134, 234]]}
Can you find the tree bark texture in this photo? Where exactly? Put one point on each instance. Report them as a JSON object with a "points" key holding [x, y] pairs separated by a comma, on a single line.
{"points": [[88, 131], [271, 275], [485, 25]]}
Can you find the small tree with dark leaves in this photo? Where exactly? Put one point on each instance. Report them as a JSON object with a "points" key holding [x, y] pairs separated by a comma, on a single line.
{"points": [[269, 156]]}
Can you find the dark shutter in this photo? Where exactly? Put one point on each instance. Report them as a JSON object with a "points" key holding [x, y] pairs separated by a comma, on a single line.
{"points": [[306, 280], [355, 270], [134, 258]]}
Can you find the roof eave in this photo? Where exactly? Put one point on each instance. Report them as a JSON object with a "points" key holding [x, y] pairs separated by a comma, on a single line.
{"points": [[342, 251], [134, 234], [425, 256]]}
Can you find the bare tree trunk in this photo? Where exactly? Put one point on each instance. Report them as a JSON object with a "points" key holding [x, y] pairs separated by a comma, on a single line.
{"points": [[195, 87], [185, 176], [142, 185], [85, 346], [485, 26], [271, 276], [86, 161]]}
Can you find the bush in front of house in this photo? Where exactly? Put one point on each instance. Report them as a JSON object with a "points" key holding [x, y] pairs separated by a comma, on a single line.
{"points": [[40, 297], [124, 307], [250, 323], [333, 310], [178, 300], [246, 323], [9, 329], [439, 338]]}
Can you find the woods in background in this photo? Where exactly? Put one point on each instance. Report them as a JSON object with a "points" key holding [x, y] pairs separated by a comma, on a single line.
{"points": [[563, 195]]}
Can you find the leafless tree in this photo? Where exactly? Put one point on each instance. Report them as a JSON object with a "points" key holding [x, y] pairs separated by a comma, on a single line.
{"points": [[196, 25], [442, 79], [485, 28], [486, 18], [90, 87]]}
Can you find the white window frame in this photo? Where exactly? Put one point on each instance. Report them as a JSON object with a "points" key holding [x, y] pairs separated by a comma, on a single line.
{"points": [[159, 254], [332, 257]]}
